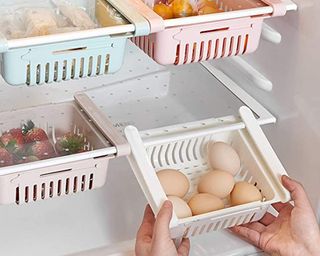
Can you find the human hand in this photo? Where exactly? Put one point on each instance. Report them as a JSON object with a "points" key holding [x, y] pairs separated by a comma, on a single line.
{"points": [[153, 237], [294, 232]]}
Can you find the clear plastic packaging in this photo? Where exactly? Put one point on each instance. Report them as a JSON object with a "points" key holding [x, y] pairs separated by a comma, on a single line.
{"points": [[107, 15], [38, 21], [27, 19], [169, 9], [11, 27], [31, 138], [75, 15]]}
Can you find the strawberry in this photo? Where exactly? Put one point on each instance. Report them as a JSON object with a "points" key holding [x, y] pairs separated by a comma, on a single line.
{"points": [[70, 143], [13, 140], [32, 133], [6, 158], [41, 150]]}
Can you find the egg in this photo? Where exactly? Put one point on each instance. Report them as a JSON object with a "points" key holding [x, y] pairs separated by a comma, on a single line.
{"points": [[243, 193], [216, 182], [173, 182], [204, 203], [163, 10], [180, 207], [223, 157], [182, 8]]}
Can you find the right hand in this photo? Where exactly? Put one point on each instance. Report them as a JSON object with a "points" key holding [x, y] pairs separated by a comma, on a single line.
{"points": [[294, 232]]}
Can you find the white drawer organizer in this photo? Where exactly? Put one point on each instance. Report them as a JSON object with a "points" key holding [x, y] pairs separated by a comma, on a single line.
{"points": [[73, 55], [183, 147], [64, 175]]}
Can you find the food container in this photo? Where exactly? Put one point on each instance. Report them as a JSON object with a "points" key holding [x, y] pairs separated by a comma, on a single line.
{"points": [[183, 147], [70, 55], [233, 32], [66, 152]]}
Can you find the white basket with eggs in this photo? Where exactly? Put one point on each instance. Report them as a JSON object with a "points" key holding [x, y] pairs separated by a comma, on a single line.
{"points": [[216, 174]]}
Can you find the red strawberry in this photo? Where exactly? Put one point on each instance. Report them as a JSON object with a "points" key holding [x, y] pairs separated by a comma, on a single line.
{"points": [[32, 133], [42, 150], [13, 140], [6, 158]]}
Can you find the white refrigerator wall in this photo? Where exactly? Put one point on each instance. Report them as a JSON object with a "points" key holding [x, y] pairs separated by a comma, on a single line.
{"points": [[293, 67]]}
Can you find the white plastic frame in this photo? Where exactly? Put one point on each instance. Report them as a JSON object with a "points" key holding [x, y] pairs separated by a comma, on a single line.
{"points": [[155, 195]]}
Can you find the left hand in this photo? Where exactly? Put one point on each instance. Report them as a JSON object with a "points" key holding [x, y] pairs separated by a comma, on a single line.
{"points": [[153, 237]]}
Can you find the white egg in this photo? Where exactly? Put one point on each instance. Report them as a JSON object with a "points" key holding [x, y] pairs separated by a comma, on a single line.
{"points": [[173, 182], [204, 203], [243, 193], [216, 182], [180, 207], [222, 156]]}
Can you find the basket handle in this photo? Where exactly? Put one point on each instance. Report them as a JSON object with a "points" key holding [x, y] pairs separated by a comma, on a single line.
{"points": [[279, 7], [103, 123], [266, 151], [145, 172]]}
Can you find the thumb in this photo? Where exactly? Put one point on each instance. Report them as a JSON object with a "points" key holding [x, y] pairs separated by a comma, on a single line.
{"points": [[161, 226], [297, 192]]}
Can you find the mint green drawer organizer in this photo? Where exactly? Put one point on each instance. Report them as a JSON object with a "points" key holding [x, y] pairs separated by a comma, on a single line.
{"points": [[63, 61], [64, 57]]}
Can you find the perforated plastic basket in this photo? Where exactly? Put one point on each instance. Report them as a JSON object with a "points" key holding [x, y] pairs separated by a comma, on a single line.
{"points": [[61, 175], [184, 146], [73, 55], [192, 39]]}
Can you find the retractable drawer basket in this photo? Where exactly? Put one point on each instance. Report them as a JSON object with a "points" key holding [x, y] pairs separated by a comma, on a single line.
{"points": [[41, 165], [234, 32], [183, 147], [71, 55]]}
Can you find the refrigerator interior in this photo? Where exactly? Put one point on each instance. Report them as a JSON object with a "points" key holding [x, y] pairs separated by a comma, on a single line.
{"points": [[143, 94], [85, 224]]}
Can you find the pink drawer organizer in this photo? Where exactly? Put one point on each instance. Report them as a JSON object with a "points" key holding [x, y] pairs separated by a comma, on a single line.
{"points": [[193, 39]]}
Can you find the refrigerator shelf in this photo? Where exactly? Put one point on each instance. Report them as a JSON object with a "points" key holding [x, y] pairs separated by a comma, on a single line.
{"points": [[71, 55], [233, 32]]}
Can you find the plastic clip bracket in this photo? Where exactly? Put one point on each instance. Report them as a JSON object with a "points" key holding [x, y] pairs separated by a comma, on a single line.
{"points": [[279, 7]]}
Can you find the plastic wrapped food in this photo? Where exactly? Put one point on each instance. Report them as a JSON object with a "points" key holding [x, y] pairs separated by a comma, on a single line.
{"points": [[169, 9], [176, 8], [184, 8], [46, 17], [107, 15], [208, 7], [77, 16], [39, 21], [11, 27]]}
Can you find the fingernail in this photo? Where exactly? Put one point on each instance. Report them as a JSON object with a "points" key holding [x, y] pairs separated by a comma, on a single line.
{"points": [[287, 177], [167, 204]]}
